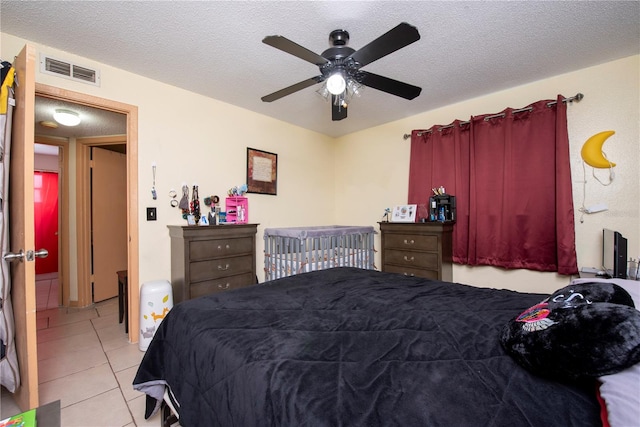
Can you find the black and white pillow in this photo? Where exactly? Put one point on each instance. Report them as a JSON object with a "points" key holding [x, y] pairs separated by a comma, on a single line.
{"points": [[584, 330]]}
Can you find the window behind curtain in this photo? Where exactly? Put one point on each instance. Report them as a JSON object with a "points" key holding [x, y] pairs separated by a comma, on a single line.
{"points": [[512, 181]]}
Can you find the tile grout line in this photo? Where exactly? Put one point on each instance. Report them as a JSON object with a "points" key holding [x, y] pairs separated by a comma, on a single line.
{"points": [[115, 377], [84, 370]]}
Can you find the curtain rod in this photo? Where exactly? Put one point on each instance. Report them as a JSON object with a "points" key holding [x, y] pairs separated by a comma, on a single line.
{"points": [[576, 98]]}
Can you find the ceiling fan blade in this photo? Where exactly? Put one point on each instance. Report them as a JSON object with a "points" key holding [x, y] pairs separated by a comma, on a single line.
{"points": [[385, 84], [338, 111], [396, 38], [292, 89], [286, 45]]}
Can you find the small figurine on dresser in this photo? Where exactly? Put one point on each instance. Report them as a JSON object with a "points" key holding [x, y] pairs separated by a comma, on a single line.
{"points": [[212, 202], [387, 215], [195, 204]]}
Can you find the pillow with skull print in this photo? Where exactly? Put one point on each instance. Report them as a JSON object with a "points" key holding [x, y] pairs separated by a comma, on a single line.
{"points": [[581, 331]]}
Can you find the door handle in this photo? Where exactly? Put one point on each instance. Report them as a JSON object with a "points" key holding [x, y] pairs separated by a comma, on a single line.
{"points": [[10, 256], [41, 253], [30, 255]]}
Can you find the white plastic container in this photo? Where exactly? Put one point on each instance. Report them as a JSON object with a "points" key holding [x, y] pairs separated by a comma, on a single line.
{"points": [[156, 299]]}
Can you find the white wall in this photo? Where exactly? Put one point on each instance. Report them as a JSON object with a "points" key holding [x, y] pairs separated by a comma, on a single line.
{"points": [[46, 163], [371, 166], [197, 139]]}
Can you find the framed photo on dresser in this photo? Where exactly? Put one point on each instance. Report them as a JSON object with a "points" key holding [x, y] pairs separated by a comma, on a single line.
{"points": [[404, 213]]}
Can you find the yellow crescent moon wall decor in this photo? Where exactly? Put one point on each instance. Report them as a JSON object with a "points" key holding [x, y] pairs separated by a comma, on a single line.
{"points": [[592, 150]]}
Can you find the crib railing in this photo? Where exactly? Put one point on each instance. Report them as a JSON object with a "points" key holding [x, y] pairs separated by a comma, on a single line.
{"points": [[293, 250]]}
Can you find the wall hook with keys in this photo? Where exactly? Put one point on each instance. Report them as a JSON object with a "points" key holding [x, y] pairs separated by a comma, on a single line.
{"points": [[154, 194]]}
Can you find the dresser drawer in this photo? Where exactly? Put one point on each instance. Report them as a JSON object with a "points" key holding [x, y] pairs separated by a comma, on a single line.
{"points": [[418, 249], [411, 272], [410, 241], [207, 249], [220, 285], [215, 268], [412, 259], [210, 259]]}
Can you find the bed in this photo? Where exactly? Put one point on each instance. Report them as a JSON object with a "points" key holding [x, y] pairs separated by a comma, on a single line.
{"points": [[353, 347]]}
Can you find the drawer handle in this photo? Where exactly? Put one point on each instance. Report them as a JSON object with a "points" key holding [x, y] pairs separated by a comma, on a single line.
{"points": [[225, 246], [225, 286], [226, 267], [409, 242], [406, 258], [408, 275]]}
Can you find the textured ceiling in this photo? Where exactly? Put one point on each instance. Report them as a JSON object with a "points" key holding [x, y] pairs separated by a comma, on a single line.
{"points": [[467, 49], [95, 122]]}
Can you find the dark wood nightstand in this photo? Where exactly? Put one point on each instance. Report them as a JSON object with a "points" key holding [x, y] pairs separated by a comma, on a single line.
{"points": [[418, 249]]}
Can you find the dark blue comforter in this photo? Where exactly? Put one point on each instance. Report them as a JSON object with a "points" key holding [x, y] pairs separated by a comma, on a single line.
{"points": [[351, 347]]}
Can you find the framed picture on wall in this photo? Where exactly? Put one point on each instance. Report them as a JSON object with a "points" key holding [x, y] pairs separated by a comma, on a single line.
{"points": [[262, 172], [404, 213]]}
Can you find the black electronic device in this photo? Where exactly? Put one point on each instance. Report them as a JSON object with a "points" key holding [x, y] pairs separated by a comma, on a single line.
{"points": [[442, 208], [614, 254]]}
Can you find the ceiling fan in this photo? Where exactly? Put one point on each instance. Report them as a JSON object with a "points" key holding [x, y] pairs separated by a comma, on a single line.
{"points": [[340, 67]]}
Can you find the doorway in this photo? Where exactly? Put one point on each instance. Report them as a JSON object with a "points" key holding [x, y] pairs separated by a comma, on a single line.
{"points": [[47, 215], [52, 154], [82, 236]]}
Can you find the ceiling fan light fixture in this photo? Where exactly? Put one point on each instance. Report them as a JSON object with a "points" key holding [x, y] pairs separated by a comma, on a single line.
{"points": [[336, 83], [324, 92], [66, 117], [340, 67], [354, 88]]}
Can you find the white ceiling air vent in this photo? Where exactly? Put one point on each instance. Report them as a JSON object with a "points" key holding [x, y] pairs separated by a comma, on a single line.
{"points": [[57, 67]]}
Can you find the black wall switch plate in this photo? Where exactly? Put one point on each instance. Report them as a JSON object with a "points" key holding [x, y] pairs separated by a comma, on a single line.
{"points": [[151, 214]]}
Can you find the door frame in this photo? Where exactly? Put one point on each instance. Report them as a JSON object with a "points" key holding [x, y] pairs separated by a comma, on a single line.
{"points": [[133, 258]]}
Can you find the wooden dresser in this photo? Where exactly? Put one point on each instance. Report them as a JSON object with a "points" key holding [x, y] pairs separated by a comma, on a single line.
{"points": [[418, 249], [208, 259]]}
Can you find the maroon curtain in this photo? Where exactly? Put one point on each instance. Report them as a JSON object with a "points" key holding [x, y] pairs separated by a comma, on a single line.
{"points": [[440, 157], [512, 181]]}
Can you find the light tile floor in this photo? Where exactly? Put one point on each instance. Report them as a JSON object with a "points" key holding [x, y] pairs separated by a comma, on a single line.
{"points": [[85, 361]]}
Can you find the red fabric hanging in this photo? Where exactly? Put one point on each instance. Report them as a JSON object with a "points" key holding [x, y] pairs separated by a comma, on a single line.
{"points": [[441, 158], [512, 181], [46, 220]]}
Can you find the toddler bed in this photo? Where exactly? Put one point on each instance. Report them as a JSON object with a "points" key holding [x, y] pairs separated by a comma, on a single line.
{"points": [[294, 250], [354, 347]]}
